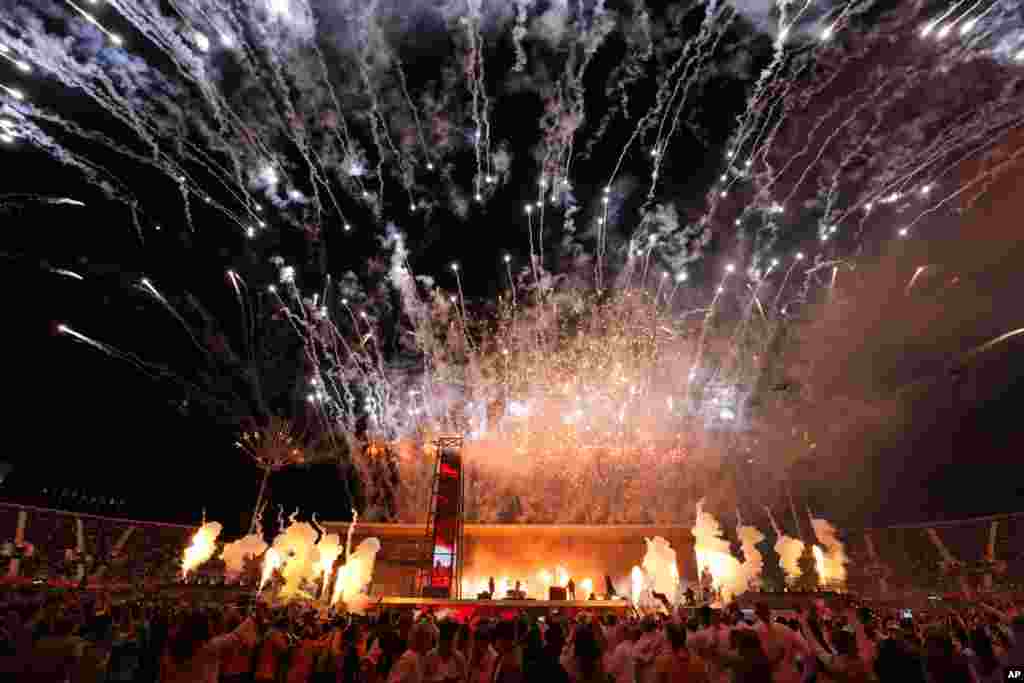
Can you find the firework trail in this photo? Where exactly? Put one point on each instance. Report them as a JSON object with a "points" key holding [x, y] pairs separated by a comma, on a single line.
{"points": [[474, 67], [625, 75], [275, 116], [711, 32]]}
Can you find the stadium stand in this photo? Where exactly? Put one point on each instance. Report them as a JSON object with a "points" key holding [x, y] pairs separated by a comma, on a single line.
{"points": [[113, 550], [922, 560], [940, 558]]}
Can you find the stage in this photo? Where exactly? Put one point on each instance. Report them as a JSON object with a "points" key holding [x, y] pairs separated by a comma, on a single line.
{"points": [[448, 557], [519, 551], [466, 609]]}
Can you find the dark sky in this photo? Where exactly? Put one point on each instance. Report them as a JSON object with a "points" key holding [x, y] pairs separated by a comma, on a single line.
{"points": [[944, 449], [944, 445]]}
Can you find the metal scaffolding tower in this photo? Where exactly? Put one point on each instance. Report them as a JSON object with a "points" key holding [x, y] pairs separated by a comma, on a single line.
{"points": [[442, 575]]}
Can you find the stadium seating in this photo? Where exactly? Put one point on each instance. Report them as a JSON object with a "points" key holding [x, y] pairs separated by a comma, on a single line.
{"points": [[150, 551], [914, 562], [128, 552]]}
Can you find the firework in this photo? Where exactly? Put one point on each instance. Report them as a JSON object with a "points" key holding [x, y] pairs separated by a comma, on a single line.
{"points": [[605, 381]]}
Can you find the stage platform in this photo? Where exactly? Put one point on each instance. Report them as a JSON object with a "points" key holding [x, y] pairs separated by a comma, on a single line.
{"points": [[506, 608], [520, 551]]}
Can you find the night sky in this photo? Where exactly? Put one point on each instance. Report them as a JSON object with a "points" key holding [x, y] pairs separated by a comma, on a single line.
{"points": [[935, 443], [948, 451]]}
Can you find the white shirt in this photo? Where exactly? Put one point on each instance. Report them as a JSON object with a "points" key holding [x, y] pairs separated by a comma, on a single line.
{"points": [[782, 645]]}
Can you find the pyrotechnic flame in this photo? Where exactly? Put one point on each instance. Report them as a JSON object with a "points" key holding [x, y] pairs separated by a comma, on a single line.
{"points": [[661, 565], [356, 573], [271, 562], [832, 565], [636, 585], [204, 543], [329, 549], [789, 550], [819, 564], [753, 561], [296, 546], [236, 552], [340, 581], [713, 553]]}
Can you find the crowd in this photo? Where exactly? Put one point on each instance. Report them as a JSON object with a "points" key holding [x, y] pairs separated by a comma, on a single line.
{"points": [[76, 636]]}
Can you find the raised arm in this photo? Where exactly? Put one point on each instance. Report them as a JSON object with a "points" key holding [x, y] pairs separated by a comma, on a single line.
{"points": [[246, 635], [1003, 617]]}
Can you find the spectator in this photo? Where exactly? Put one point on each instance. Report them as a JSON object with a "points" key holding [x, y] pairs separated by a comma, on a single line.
{"points": [[508, 666], [126, 647], [646, 649], [987, 666], [445, 664], [678, 665], [194, 655], [620, 663], [584, 663], [62, 655], [482, 656], [942, 664], [845, 664], [898, 662], [750, 664], [782, 646], [410, 666]]}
